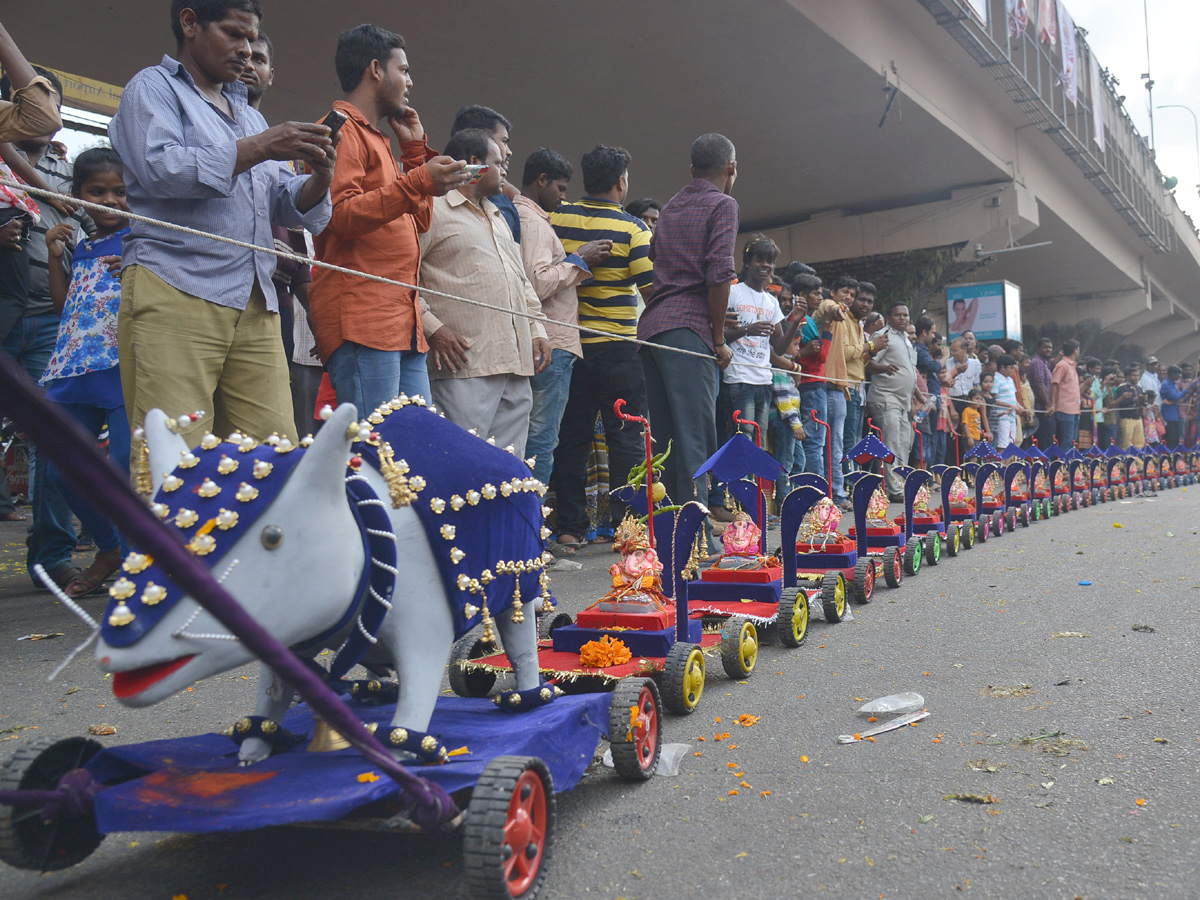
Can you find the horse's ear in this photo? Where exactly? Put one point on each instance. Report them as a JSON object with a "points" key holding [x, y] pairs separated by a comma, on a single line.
{"points": [[323, 469], [166, 447]]}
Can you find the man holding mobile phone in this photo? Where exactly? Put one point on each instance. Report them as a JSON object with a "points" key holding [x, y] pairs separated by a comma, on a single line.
{"points": [[370, 335], [197, 329]]}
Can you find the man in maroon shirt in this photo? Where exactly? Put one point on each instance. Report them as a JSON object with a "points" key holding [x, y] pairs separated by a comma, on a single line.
{"points": [[1039, 380], [692, 251]]}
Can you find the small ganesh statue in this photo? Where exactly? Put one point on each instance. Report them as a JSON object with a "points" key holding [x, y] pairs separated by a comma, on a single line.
{"points": [[958, 493], [877, 508], [1041, 484], [820, 523], [639, 567], [921, 502], [742, 540]]}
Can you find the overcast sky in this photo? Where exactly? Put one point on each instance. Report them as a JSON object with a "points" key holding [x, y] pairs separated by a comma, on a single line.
{"points": [[1116, 32]]}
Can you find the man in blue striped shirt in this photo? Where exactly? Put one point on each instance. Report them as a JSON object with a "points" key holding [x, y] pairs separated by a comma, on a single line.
{"points": [[197, 327]]}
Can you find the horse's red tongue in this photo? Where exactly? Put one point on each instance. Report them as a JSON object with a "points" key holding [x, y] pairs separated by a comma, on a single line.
{"points": [[132, 683]]}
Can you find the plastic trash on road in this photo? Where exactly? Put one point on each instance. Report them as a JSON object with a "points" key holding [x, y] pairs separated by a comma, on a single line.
{"points": [[910, 701], [669, 759], [898, 722]]}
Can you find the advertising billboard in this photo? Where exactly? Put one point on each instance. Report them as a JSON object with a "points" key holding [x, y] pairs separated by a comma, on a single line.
{"points": [[991, 311]]}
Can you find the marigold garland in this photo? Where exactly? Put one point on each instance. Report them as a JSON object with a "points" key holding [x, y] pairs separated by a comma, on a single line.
{"points": [[608, 651]]}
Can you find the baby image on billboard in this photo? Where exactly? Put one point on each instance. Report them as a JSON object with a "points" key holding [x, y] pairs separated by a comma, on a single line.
{"points": [[978, 308]]}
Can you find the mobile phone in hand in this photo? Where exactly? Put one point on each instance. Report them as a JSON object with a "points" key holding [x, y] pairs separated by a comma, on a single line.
{"points": [[475, 172], [334, 122]]}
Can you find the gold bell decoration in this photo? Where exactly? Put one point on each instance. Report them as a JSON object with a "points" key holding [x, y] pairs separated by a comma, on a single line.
{"points": [[489, 633], [326, 738], [518, 613], [143, 482]]}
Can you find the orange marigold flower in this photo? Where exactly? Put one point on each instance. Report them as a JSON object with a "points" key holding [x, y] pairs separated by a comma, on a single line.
{"points": [[367, 777], [718, 720], [731, 765], [764, 793], [868, 738], [1140, 801], [743, 784], [857, 736], [607, 651], [873, 719], [746, 720], [733, 793], [804, 759]]}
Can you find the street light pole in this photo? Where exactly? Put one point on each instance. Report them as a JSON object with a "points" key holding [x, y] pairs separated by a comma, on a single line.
{"points": [[1196, 129]]}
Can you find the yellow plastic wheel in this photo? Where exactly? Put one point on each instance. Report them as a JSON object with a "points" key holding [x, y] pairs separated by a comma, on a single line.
{"points": [[739, 648]]}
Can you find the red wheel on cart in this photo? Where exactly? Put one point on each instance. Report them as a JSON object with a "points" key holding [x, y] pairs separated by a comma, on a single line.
{"points": [[1010, 520], [27, 842], [893, 567], [507, 835], [864, 580], [981, 530], [633, 728]]}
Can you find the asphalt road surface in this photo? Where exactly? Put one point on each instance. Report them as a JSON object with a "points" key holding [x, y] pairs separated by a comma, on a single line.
{"points": [[1078, 730]]}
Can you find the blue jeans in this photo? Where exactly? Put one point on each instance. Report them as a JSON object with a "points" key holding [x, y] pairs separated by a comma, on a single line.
{"points": [[369, 378], [551, 388], [789, 453], [813, 400], [754, 400], [935, 448], [1066, 427], [1108, 434], [93, 419], [51, 539], [836, 406], [852, 430]]}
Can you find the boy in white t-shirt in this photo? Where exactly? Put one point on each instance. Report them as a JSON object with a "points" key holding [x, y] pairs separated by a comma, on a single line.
{"points": [[758, 337]]}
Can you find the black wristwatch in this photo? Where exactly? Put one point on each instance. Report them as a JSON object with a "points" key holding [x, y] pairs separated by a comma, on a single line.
{"points": [[718, 344]]}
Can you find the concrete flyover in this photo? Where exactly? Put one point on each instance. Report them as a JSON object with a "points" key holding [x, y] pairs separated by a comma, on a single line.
{"points": [[863, 128]]}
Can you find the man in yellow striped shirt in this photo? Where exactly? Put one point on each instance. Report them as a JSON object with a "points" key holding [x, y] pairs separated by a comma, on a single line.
{"points": [[608, 310]]}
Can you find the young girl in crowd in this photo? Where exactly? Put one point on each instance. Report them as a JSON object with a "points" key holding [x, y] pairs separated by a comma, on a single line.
{"points": [[991, 410], [82, 375]]}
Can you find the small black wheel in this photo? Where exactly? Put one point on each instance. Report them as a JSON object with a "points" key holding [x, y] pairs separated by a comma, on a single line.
{"points": [[26, 842], [833, 596], [914, 555], [509, 829], [1022, 516], [893, 567], [634, 715], [1074, 502], [864, 580], [474, 683], [982, 528], [967, 530], [547, 624], [953, 540], [933, 548], [791, 625], [683, 679], [1010, 520], [739, 648]]}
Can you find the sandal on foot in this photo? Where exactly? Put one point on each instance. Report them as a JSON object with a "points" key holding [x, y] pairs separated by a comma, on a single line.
{"points": [[104, 566], [568, 544]]}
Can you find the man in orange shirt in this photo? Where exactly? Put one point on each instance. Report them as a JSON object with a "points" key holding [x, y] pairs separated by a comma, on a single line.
{"points": [[369, 335]]}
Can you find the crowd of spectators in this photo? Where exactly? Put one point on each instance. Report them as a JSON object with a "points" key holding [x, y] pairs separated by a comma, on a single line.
{"points": [[117, 318]]}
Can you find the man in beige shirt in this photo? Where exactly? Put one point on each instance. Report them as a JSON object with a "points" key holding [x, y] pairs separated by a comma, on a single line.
{"points": [[554, 274], [480, 360]]}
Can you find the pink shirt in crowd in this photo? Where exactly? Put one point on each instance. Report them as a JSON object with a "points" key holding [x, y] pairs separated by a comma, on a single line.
{"points": [[1067, 379]]}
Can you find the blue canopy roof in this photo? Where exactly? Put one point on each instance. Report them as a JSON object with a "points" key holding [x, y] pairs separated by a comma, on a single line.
{"points": [[870, 448], [739, 458], [1055, 452], [1013, 451], [1113, 451], [982, 450], [1035, 452]]}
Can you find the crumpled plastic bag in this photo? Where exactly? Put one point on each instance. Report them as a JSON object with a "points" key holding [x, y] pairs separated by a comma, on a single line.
{"points": [[910, 701], [669, 759]]}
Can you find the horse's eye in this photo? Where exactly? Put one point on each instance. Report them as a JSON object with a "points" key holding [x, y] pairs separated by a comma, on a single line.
{"points": [[272, 537]]}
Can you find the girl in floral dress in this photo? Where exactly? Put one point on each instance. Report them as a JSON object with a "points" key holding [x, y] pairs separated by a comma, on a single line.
{"points": [[82, 375]]}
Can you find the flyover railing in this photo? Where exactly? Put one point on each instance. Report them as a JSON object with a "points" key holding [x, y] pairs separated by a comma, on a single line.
{"points": [[1121, 167]]}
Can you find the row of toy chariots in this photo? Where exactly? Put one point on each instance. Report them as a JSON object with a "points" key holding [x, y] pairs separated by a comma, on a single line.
{"points": [[313, 556]]}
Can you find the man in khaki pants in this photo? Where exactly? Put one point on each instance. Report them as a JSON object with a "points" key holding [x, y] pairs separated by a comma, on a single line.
{"points": [[197, 329]]}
